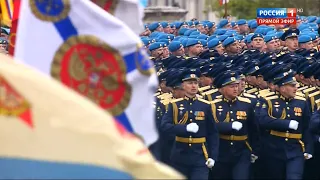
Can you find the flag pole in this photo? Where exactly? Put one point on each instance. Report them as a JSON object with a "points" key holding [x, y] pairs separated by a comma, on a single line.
{"points": [[225, 9]]}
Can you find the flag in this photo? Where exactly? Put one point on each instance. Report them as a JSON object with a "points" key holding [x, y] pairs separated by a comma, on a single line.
{"points": [[70, 137], [6, 12], [221, 2], [94, 53], [12, 36], [128, 11]]}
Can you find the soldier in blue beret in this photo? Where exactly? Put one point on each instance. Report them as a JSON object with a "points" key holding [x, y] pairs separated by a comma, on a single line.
{"points": [[234, 118], [166, 27], [257, 42], [305, 42], [272, 44], [195, 47], [216, 44], [190, 120], [243, 27], [156, 50], [286, 117], [176, 49], [224, 23], [155, 26], [231, 46]]}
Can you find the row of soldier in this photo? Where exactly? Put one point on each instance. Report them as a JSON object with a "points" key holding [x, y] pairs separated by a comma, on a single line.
{"points": [[238, 108]]}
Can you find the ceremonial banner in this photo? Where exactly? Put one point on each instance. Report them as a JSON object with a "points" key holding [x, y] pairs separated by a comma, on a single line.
{"points": [[66, 136], [94, 53], [13, 30], [128, 11], [6, 12]]}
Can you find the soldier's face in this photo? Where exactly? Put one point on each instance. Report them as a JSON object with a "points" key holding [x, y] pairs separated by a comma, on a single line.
{"points": [[242, 85], [178, 93], [205, 81], [289, 90], [272, 45], [257, 42], [307, 46], [292, 43], [220, 49], [230, 91], [272, 87], [190, 87]]}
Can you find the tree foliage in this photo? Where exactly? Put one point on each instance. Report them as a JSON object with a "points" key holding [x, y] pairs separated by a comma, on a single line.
{"points": [[246, 9]]}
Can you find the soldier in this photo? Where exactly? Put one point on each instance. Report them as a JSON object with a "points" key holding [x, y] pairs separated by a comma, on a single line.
{"points": [[257, 41], [195, 48], [235, 122], [289, 143], [176, 48], [231, 46], [190, 119], [290, 37]]}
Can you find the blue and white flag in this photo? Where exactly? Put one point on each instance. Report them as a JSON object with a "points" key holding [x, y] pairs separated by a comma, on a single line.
{"points": [[94, 53]]}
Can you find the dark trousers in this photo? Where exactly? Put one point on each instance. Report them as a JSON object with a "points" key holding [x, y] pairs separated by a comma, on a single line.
{"points": [[310, 169], [238, 168], [192, 172], [285, 169], [155, 150]]}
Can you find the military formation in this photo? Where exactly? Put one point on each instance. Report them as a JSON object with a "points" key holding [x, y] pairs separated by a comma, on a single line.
{"points": [[237, 100]]}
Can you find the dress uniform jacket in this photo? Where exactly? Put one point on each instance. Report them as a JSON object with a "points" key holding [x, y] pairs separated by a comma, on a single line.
{"points": [[191, 149], [275, 115], [231, 141]]}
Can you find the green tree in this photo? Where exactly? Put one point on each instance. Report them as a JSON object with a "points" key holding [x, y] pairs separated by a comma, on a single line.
{"points": [[247, 8]]}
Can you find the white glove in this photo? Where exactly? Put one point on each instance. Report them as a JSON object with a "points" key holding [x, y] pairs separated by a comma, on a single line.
{"points": [[210, 163], [293, 124], [253, 158], [193, 127], [236, 125], [307, 156], [319, 139]]}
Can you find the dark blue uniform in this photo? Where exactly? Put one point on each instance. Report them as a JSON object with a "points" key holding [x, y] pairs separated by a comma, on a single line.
{"points": [[191, 150], [235, 150], [284, 147]]}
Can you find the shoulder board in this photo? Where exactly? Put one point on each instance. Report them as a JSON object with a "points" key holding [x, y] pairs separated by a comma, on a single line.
{"points": [[165, 95], [317, 101], [302, 88], [268, 94], [167, 102], [264, 91], [199, 96], [210, 91], [157, 94], [243, 99], [309, 89], [300, 94], [204, 88], [216, 101], [300, 98], [177, 100], [252, 90], [249, 95], [314, 94], [205, 101], [271, 97], [220, 96], [186, 57]]}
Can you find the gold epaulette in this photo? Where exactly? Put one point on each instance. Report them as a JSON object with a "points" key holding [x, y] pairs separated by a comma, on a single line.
{"points": [[210, 92], [248, 95], [253, 90], [199, 96], [157, 94], [167, 102], [186, 57], [205, 101], [204, 88], [220, 96], [302, 88], [176, 100], [264, 91], [314, 94], [243, 99], [317, 101], [268, 94], [300, 94], [216, 101], [164, 100], [271, 97], [309, 89], [164, 95], [300, 98]]}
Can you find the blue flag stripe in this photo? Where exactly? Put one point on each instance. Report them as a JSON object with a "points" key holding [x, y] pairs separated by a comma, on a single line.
{"points": [[65, 28], [123, 119], [16, 168]]}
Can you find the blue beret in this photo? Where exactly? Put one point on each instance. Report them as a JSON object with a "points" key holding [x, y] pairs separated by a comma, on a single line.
{"points": [[298, 17], [203, 42], [209, 24], [189, 31], [290, 33], [226, 78], [270, 37], [191, 23], [248, 38], [213, 43], [271, 32], [223, 37], [222, 23], [146, 42], [195, 33], [164, 42], [220, 31], [184, 42], [304, 39], [240, 37], [177, 38], [182, 31], [233, 23], [191, 74], [318, 21], [154, 26], [279, 34], [192, 42], [212, 37], [228, 41], [174, 46], [203, 36], [164, 36], [241, 22], [255, 35], [164, 24], [312, 18], [314, 36], [253, 25], [155, 46]]}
